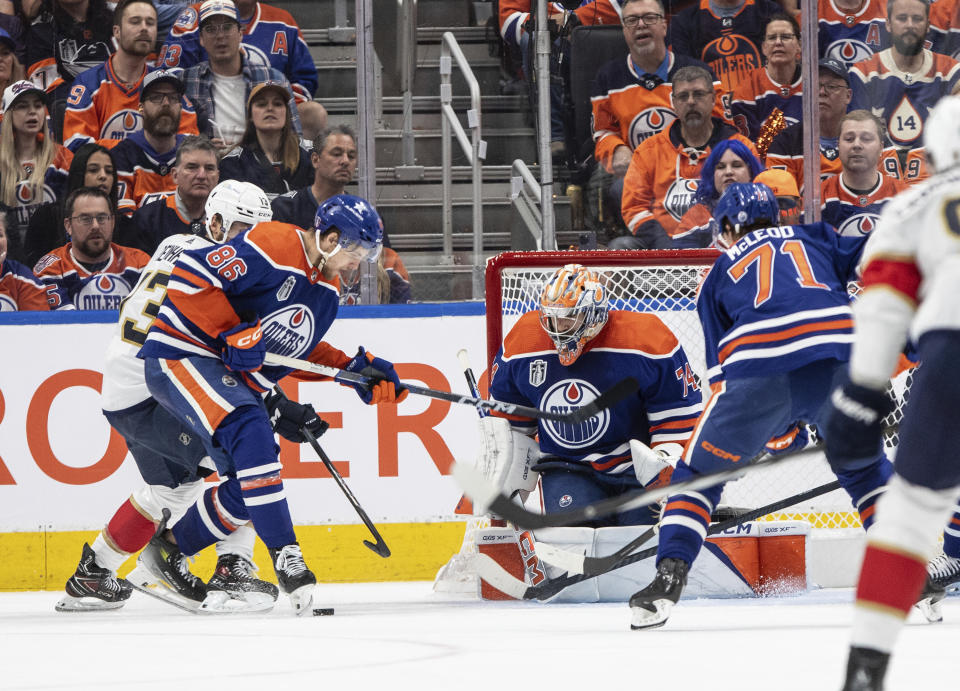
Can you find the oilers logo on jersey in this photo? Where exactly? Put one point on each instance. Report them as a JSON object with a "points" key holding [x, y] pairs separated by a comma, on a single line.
{"points": [[7, 304], [566, 396], [858, 225], [679, 197], [104, 292], [649, 122], [289, 331], [121, 125], [849, 51]]}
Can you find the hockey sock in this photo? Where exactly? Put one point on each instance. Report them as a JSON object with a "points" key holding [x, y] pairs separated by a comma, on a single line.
{"points": [[127, 532], [865, 486], [239, 542], [894, 566], [207, 521], [685, 518]]}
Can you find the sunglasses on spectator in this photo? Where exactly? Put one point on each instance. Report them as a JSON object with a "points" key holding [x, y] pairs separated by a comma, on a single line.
{"points": [[648, 19], [220, 28], [86, 220]]}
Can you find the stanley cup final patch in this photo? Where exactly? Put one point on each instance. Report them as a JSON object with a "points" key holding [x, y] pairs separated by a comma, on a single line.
{"points": [[538, 372]]}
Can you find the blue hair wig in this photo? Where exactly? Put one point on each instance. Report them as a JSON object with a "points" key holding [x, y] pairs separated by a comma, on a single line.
{"points": [[707, 192]]}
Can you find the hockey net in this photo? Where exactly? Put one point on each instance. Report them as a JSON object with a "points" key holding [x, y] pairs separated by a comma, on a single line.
{"points": [[663, 283]]}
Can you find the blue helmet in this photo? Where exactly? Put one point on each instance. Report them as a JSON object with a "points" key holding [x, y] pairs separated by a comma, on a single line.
{"points": [[746, 204], [360, 226]]}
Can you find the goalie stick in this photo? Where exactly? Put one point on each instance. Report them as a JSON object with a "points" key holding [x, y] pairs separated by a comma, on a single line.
{"points": [[490, 499], [617, 392], [494, 574]]}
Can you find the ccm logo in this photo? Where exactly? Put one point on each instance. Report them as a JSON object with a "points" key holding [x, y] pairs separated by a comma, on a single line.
{"points": [[252, 338], [719, 453]]}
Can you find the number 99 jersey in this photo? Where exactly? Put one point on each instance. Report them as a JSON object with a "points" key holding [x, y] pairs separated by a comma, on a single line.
{"points": [[123, 380]]}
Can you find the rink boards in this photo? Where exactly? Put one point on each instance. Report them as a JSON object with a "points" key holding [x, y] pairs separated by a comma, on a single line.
{"points": [[63, 473]]}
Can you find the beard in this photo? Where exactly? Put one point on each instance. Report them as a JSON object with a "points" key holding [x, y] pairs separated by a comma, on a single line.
{"points": [[162, 125], [908, 44], [94, 246]]}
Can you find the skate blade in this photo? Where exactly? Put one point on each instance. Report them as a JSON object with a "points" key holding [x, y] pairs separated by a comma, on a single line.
{"points": [[931, 610], [302, 599], [68, 603], [220, 602], [641, 618]]}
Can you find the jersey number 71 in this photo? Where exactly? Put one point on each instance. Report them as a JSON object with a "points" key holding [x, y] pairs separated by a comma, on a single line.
{"points": [[764, 257]]}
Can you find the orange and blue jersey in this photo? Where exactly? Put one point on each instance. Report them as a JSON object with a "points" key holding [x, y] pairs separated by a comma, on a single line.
{"points": [[270, 38], [776, 300], [263, 272], [852, 36], [86, 289], [21, 290], [101, 109], [855, 213], [143, 174], [527, 371], [757, 96]]}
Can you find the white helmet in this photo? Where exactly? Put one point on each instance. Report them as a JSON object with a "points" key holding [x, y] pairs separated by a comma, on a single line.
{"points": [[941, 134], [236, 201]]}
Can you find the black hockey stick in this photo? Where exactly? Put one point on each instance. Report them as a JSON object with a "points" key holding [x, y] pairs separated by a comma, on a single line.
{"points": [[617, 392], [380, 547], [489, 497], [490, 571]]}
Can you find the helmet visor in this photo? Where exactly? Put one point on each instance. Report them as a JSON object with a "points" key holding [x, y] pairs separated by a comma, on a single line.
{"points": [[361, 251]]}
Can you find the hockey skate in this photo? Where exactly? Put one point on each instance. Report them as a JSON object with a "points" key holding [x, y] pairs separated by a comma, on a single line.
{"points": [[943, 575], [295, 578], [651, 606], [865, 669], [162, 572], [93, 588], [233, 588]]}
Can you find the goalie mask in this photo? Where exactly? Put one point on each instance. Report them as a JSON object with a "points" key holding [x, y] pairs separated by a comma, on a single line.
{"points": [[573, 309], [743, 207], [361, 230], [235, 202]]}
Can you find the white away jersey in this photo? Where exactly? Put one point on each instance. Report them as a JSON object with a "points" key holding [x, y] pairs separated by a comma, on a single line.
{"points": [[123, 382]]}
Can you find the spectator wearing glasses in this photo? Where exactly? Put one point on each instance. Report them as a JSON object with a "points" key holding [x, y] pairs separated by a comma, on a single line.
{"points": [[269, 155], [786, 149], [92, 166], [93, 272], [774, 87], [725, 34], [852, 201], [145, 159], [104, 101], [664, 171], [852, 30], [902, 83], [270, 37], [220, 86], [631, 95], [33, 168]]}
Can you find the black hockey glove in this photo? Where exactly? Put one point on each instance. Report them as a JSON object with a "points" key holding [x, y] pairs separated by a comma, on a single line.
{"points": [[287, 417], [854, 424]]}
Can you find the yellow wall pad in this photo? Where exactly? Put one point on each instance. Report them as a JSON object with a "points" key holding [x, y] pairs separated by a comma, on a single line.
{"points": [[45, 560]]}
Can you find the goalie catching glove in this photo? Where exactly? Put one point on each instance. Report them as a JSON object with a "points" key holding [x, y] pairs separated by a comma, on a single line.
{"points": [[384, 385], [289, 417], [506, 457], [654, 465]]}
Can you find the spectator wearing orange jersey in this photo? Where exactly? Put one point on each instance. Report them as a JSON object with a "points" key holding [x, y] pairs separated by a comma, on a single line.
{"points": [[20, 289]]}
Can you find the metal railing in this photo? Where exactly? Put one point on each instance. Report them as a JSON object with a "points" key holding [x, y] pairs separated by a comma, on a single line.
{"points": [[525, 194], [474, 148]]}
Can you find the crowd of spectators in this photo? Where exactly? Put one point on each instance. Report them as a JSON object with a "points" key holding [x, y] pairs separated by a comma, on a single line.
{"points": [[118, 119]]}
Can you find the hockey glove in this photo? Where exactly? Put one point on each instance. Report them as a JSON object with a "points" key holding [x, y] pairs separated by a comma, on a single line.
{"points": [[854, 424], [289, 417], [384, 385], [245, 349]]}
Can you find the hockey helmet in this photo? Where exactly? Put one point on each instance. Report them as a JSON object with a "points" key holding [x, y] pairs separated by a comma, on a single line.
{"points": [[574, 306], [236, 202], [359, 224], [744, 205], [941, 134]]}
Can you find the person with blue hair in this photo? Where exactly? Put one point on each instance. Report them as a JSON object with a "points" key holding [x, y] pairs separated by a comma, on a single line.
{"points": [[730, 161]]}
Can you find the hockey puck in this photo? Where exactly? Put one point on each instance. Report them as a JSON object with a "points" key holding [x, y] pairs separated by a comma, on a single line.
{"points": [[323, 612]]}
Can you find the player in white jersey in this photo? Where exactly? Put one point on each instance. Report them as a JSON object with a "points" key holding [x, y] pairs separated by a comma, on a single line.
{"points": [[171, 460], [911, 279]]}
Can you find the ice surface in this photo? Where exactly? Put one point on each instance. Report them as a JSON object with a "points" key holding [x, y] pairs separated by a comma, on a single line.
{"points": [[403, 636]]}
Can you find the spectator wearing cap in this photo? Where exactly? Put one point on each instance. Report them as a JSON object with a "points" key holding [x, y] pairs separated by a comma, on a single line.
{"points": [[104, 102], [270, 37], [195, 174], [786, 149], [270, 154], [220, 86], [145, 159], [33, 167], [10, 68], [785, 189]]}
